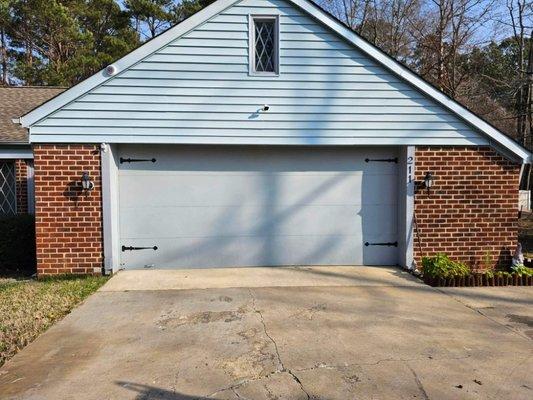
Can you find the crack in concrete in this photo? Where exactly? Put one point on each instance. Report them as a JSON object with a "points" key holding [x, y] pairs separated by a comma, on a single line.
{"points": [[282, 369], [236, 394], [266, 331], [299, 382], [344, 366], [233, 387], [418, 382]]}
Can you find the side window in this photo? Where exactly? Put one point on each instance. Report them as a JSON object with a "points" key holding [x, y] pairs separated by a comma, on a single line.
{"points": [[8, 198], [264, 45]]}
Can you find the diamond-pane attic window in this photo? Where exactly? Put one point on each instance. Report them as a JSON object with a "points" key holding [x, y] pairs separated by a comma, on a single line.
{"points": [[265, 45]]}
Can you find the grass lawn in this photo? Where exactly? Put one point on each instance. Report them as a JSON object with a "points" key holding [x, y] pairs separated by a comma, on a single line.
{"points": [[29, 307]]}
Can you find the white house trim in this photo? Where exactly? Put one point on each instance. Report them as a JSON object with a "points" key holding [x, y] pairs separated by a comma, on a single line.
{"points": [[500, 140], [251, 45], [31, 186], [110, 213], [13, 153], [406, 191]]}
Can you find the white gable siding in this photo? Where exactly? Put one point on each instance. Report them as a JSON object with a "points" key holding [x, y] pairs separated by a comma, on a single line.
{"points": [[198, 90]]}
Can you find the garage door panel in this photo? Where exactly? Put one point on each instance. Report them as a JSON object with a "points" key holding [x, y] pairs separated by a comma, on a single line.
{"points": [[253, 251], [190, 159], [162, 222], [247, 206], [261, 189]]}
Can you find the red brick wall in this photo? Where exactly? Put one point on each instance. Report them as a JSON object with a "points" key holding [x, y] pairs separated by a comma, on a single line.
{"points": [[68, 222], [21, 179], [471, 211]]}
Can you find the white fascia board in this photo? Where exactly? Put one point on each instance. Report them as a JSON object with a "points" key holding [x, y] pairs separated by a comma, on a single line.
{"points": [[263, 140], [15, 153], [402, 71], [125, 62]]}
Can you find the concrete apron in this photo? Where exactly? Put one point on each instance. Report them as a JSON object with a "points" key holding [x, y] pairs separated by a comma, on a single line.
{"points": [[359, 341], [219, 278]]}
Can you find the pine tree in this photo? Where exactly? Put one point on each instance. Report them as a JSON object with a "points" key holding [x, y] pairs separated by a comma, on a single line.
{"points": [[61, 42]]}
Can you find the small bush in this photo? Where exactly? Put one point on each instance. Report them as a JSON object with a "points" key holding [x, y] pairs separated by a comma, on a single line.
{"points": [[441, 266], [17, 245], [522, 270]]}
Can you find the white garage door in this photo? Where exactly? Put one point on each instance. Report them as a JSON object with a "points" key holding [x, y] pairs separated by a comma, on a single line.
{"points": [[198, 207]]}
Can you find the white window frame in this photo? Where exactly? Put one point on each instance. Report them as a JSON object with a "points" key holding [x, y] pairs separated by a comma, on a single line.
{"points": [[251, 44]]}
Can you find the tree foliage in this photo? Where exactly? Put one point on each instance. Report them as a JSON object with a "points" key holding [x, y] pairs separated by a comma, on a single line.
{"points": [[61, 42]]}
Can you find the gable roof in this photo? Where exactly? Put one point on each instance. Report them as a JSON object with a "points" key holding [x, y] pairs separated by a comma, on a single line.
{"points": [[16, 101], [496, 138]]}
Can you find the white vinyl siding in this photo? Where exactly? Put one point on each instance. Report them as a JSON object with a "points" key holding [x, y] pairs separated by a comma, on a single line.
{"points": [[198, 90]]}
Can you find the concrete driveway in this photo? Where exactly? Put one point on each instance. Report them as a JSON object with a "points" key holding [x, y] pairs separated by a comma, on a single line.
{"points": [[291, 333]]}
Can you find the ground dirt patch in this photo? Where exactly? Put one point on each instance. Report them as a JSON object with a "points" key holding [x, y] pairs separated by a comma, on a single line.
{"points": [[204, 317]]}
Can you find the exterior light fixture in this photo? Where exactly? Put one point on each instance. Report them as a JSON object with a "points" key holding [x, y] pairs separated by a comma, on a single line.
{"points": [[86, 182], [428, 181], [111, 70], [266, 107]]}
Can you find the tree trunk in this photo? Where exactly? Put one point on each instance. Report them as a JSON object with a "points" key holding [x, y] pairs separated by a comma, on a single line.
{"points": [[529, 96], [440, 51], [3, 55]]}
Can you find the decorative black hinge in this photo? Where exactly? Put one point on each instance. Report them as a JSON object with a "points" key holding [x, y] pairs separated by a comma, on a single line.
{"points": [[390, 244], [130, 160], [394, 160], [131, 248]]}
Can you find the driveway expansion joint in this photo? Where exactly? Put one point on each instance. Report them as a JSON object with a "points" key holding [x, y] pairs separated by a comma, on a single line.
{"points": [[478, 310]]}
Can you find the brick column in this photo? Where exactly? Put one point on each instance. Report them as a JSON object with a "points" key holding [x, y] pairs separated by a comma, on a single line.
{"points": [[68, 222], [472, 210], [21, 182]]}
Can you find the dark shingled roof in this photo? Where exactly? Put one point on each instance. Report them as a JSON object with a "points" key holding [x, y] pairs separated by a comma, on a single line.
{"points": [[15, 101]]}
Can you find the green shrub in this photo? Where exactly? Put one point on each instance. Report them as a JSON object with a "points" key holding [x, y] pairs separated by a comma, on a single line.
{"points": [[503, 274], [17, 245], [441, 266], [522, 270]]}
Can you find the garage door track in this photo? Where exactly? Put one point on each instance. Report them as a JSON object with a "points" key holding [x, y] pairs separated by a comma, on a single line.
{"points": [[343, 333]]}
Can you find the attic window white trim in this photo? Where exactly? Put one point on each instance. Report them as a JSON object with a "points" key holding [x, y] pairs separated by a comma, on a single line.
{"points": [[252, 19]]}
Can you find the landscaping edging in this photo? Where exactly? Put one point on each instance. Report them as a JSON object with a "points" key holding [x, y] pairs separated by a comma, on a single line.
{"points": [[475, 280]]}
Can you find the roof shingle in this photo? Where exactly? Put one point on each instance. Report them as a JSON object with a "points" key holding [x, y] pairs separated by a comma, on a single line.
{"points": [[17, 101]]}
